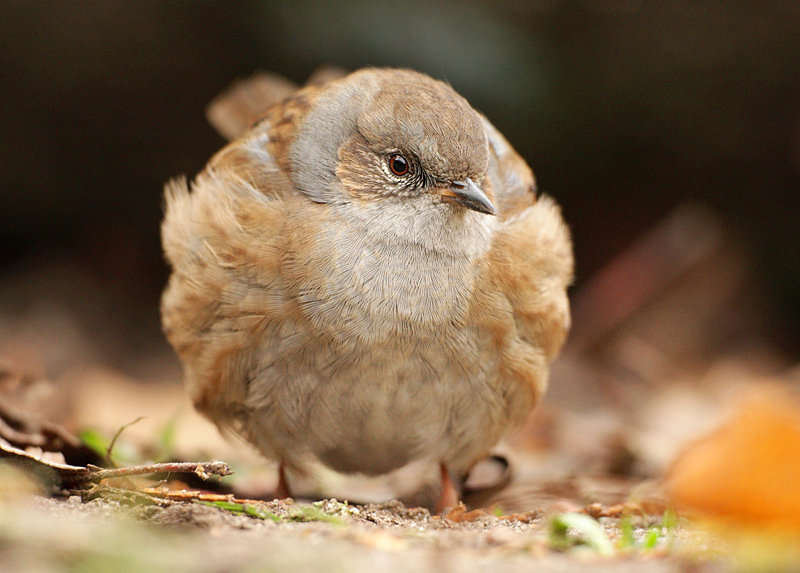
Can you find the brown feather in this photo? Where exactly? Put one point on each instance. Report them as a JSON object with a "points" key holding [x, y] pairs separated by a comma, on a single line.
{"points": [[328, 311]]}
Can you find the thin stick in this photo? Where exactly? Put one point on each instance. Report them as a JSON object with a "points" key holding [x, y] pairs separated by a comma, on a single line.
{"points": [[114, 439], [71, 476], [203, 469]]}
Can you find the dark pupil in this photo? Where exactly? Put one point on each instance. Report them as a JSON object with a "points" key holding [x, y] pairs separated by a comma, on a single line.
{"points": [[398, 164]]}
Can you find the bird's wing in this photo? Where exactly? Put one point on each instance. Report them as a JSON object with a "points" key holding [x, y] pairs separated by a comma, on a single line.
{"points": [[240, 106], [237, 108], [512, 181], [223, 236], [260, 156], [530, 267]]}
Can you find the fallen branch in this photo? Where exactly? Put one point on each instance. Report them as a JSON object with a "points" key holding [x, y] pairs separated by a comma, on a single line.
{"points": [[68, 476], [204, 470]]}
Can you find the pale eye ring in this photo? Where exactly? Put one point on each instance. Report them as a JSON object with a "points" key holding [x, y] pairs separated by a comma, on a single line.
{"points": [[398, 165]]}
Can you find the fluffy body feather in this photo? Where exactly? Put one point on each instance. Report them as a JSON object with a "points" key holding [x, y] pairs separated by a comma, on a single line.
{"points": [[327, 310]]}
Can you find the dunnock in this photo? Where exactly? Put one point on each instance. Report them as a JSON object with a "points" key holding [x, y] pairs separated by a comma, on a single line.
{"points": [[366, 278]]}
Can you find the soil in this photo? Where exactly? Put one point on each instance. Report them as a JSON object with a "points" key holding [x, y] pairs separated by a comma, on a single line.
{"points": [[150, 534]]}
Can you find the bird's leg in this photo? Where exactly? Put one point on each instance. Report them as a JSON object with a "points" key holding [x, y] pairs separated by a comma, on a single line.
{"points": [[282, 491], [449, 498]]}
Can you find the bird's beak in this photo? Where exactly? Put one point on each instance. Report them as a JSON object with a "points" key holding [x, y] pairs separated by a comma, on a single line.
{"points": [[468, 195]]}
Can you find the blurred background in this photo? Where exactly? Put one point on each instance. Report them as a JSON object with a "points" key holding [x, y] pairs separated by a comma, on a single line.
{"points": [[668, 131]]}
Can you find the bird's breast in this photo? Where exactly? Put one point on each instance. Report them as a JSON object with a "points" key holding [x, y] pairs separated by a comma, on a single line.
{"points": [[359, 284]]}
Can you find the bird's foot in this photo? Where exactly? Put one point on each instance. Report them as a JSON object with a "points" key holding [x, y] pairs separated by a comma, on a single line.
{"points": [[282, 491], [449, 497]]}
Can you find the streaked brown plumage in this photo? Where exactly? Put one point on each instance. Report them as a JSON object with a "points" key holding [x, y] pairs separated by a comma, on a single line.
{"points": [[329, 309]]}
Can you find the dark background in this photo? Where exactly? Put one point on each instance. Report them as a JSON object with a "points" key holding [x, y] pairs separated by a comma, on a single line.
{"points": [[624, 109]]}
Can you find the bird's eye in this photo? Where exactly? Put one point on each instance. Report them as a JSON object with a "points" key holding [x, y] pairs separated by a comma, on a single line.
{"points": [[398, 164]]}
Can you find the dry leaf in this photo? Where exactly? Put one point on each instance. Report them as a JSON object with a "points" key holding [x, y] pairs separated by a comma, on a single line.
{"points": [[747, 471]]}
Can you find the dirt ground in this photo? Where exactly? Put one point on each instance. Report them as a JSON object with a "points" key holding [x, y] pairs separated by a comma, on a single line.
{"points": [[43, 534]]}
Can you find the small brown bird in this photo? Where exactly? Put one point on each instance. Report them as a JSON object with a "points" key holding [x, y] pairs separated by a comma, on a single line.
{"points": [[365, 278]]}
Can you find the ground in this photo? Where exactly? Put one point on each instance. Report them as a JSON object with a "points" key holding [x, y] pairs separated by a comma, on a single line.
{"points": [[45, 534]]}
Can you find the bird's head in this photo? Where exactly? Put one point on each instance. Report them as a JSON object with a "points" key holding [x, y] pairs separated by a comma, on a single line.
{"points": [[380, 134]]}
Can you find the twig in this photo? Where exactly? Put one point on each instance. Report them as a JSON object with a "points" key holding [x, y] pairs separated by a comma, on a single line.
{"points": [[117, 435], [202, 469], [77, 476]]}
